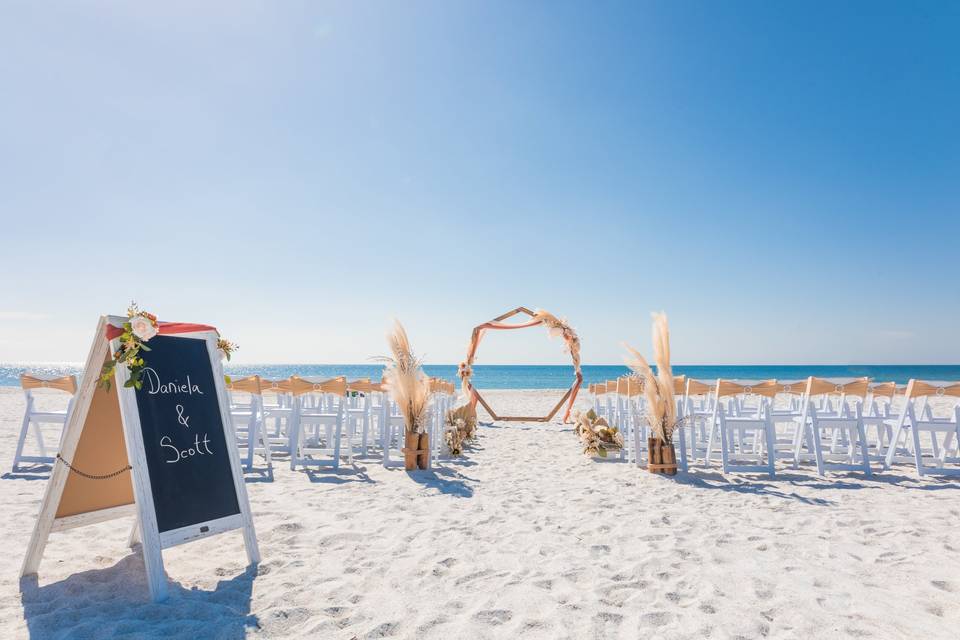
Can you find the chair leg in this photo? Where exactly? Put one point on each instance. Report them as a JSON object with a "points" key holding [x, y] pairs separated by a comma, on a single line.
{"points": [[917, 451], [38, 434], [817, 447], [336, 445], [710, 440], [20, 443], [683, 449], [892, 447], [251, 444], [724, 452], [771, 433], [864, 450], [636, 446]]}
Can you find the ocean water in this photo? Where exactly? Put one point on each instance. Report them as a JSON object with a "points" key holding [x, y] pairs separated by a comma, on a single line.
{"points": [[545, 376]]}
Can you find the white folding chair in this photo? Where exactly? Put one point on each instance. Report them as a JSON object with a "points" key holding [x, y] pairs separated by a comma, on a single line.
{"points": [[880, 415], [33, 418], [321, 406], [248, 422], [698, 401], [277, 413], [392, 427], [742, 421], [935, 439], [833, 435]]}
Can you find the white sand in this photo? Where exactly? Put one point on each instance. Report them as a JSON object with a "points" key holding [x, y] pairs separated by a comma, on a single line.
{"points": [[523, 538]]}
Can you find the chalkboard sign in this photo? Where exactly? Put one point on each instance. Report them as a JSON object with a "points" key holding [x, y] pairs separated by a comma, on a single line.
{"points": [[187, 458], [165, 453]]}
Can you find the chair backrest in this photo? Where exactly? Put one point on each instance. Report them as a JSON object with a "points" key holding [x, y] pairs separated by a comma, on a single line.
{"points": [[883, 389], [822, 386], [765, 388], [921, 389], [795, 388], [679, 385], [365, 386], [275, 386], [634, 386], [248, 384], [62, 383], [336, 386], [697, 388]]}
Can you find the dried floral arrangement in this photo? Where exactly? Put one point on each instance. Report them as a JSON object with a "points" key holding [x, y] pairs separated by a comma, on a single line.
{"points": [[661, 410], [461, 425], [559, 328], [597, 437], [406, 382]]}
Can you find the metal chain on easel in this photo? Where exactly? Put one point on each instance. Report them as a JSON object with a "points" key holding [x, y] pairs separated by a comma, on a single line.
{"points": [[91, 476]]}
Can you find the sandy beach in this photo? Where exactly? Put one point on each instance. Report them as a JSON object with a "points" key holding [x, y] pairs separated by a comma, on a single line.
{"points": [[523, 537]]}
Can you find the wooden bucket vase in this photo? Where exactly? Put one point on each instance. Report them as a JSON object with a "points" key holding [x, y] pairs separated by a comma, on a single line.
{"points": [[662, 457], [416, 451], [423, 455], [411, 447]]}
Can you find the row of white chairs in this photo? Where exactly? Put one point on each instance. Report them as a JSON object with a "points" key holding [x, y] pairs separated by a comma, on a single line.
{"points": [[837, 426], [322, 422], [314, 422]]}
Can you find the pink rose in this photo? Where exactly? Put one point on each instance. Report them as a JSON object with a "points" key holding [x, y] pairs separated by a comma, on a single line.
{"points": [[143, 327]]}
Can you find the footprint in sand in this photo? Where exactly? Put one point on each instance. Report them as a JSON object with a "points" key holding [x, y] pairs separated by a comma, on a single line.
{"points": [[656, 618], [606, 617], [382, 630], [494, 616], [943, 585]]}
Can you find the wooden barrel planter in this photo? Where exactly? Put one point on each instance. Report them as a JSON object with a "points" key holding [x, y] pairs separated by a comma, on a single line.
{"points": [[662, 457], [416, 451]]}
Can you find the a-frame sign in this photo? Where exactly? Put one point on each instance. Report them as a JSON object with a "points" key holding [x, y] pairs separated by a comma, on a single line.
{"points": [[165, 453]]}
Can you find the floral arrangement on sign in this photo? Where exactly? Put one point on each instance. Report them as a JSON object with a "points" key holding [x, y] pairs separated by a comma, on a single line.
{"points": [[137, 331], [226, 348], [598, 437], [405, 380], [139, 328], [461, 426]]}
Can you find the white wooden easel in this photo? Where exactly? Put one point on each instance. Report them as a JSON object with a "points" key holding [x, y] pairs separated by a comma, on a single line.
{"points": [[71, 500]]}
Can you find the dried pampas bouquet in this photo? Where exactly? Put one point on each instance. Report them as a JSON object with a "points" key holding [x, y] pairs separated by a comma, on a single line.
{"points": [[657, 388], [406, 382]]}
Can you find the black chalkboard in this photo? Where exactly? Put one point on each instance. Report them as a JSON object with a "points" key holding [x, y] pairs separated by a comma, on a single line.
{"points": [[183, 438]]}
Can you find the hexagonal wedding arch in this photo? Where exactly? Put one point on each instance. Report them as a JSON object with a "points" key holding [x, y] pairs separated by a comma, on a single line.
{"points": [[556, 327]]}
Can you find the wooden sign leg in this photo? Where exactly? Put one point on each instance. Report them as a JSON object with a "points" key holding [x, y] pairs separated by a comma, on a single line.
{"points": [[249, 534], [152, 558], [134, 538], [146, 516], [68, 446]]}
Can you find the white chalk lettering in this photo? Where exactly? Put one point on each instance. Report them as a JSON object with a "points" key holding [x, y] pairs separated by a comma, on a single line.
{"points": [[155, 385], [182, 454]]}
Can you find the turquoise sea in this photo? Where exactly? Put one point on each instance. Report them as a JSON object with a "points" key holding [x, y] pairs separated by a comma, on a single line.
{"points": [[546, 376]]}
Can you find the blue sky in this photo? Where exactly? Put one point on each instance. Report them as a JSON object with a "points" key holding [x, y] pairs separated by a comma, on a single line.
{"points": [[782, 178]]}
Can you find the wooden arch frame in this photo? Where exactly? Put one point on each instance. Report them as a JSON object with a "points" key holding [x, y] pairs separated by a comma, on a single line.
{"points": [[497, 323]]}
